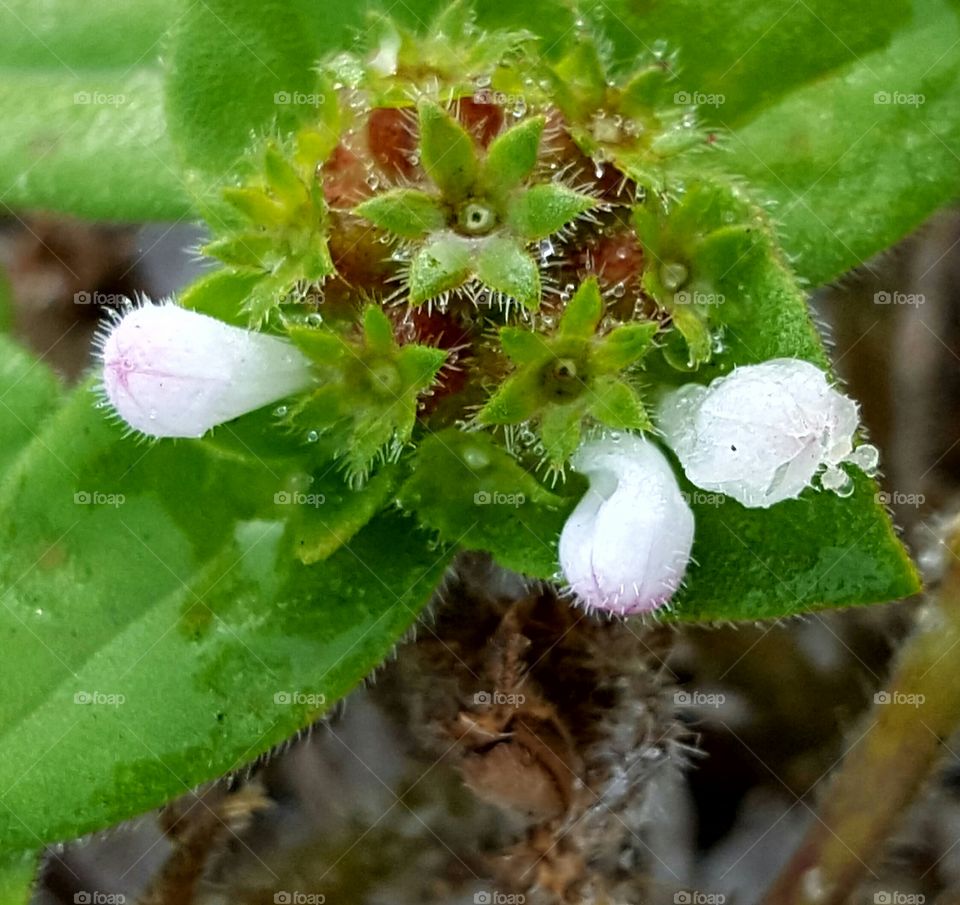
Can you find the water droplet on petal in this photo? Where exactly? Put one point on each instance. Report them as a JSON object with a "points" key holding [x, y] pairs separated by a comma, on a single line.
{"points": [[866, 458], [838, 481], [280, 411]]}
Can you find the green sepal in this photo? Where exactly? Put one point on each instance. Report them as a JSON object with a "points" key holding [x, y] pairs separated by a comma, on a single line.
{"points": [[444, 264], [512, 156], [447, 152], [409, 213], [546, 208], [583, 312], [504, 266], [616, 404]]}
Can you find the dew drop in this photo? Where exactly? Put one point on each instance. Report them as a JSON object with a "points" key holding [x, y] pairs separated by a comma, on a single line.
{"points": [[280, 411], [673, 275], [837, 481], [315, 319], [474, 457], [866, 458]]}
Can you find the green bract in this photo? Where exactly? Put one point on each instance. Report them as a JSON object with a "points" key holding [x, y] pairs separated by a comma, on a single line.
{"points": [[613, 190], [366, 405], [561, 379], [484, 214]]}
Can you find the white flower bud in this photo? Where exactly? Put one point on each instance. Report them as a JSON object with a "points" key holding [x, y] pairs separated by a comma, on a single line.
{"points": [[171, 372], [625, 547], [761, 434]]}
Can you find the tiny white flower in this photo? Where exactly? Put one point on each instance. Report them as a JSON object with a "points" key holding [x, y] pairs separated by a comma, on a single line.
{"points": [[762, 433], [626, 546], [171, 372]]}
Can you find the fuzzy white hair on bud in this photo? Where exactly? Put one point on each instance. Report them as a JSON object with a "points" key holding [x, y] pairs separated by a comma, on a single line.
{"points": [[171, 372], [762, 433], [625, 547]]}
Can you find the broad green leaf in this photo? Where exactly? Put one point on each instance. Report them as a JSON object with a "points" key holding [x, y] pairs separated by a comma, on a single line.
{"points": [[28, 392], [469, 490], [856, 161], [329, 512], [88, 143], [67, 36], [18, 872], [735, 57], [237, 67], [158, 632], [818, 551]]}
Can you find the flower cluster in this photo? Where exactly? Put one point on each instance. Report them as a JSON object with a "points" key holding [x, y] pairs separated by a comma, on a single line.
{"points": [[474, 235]]}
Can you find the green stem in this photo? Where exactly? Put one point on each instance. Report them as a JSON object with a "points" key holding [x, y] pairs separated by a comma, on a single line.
{"points": [[906, 731]]}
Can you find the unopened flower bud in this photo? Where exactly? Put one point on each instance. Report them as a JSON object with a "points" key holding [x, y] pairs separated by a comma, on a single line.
{"points": [[171, 372], [762, 433], [626, 546]]}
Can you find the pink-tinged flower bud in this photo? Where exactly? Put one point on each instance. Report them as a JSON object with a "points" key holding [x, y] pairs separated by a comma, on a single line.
{"points": [[626, 546], [762, 433], [171, 372]]}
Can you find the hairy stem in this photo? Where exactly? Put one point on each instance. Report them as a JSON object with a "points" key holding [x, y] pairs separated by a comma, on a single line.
{"points": [[905, 733]]}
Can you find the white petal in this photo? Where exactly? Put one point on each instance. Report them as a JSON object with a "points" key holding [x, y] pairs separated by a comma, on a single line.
{"points": [[760, 434], [627, 544], [171, 372]]}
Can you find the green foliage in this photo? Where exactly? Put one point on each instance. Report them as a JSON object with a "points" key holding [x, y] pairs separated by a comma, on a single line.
{"points": [[481, 217], [366, 404], [239, 66], [88, 143], [473, 494], [879, 164], [18, 871], [142, 609], [561, 379], [278, 234]]}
